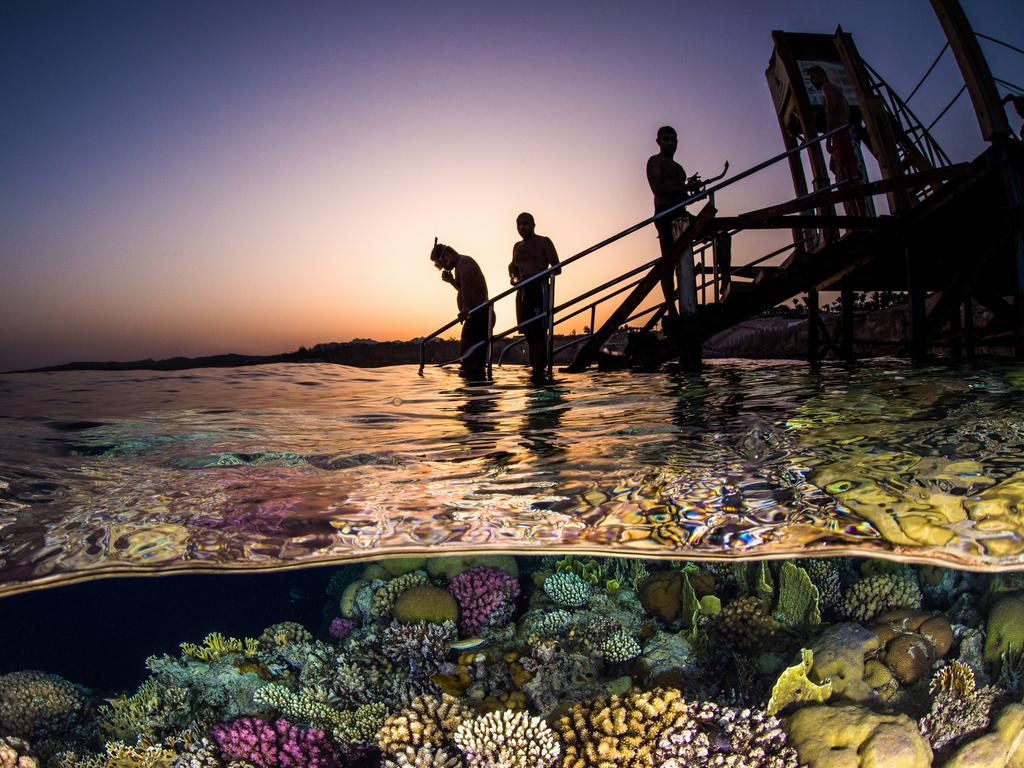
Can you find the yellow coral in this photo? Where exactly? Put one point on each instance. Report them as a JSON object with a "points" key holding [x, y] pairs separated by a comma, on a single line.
{"points": [[427, 721], [620, 731], [794, 687], [120, 755], [216, 646]]}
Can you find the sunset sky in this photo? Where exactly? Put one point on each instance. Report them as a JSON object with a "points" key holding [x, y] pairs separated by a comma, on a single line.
{"points": [[199, 177]]}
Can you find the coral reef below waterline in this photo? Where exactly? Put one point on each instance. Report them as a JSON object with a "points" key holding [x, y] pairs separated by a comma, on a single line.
{"points": [[570, 662]]}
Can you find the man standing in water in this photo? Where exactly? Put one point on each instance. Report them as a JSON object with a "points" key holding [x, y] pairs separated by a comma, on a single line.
{"points": [[465, 275], [670, 187], [530, 256]]}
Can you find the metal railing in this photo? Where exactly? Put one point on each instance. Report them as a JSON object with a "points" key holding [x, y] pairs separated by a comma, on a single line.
{"points": [[700, 248]]}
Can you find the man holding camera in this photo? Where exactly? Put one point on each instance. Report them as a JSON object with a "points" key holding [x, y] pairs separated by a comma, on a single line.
{"points": [[530, 256], [465, 275]]}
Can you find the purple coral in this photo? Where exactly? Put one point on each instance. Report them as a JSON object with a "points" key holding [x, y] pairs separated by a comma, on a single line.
{"points": [[486, 597], [281, 745], [341, 628]]}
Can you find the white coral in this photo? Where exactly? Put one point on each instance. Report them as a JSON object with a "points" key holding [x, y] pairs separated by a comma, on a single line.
{"points": [[507, 739]]}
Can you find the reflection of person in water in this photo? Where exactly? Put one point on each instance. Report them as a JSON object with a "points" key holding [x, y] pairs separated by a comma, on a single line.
{"points": [[465, 275], [477, 411], [541, 420], [530, 256]]}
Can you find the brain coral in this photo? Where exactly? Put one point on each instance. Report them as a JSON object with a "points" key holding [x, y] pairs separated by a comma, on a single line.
{"points": [[506, 739], [619, 731], [425, 603], [384, 598], [37, 705], [871, 595]]}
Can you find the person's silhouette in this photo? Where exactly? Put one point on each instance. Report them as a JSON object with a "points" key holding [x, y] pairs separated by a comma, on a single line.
{"points": [[465, 275], [530, 256]]}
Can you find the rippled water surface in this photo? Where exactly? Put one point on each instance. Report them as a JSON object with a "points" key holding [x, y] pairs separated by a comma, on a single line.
{"points": [[259, 467]]}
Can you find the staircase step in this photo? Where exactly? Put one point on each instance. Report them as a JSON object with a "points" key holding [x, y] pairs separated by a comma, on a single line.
{"points": [[767, 273]]}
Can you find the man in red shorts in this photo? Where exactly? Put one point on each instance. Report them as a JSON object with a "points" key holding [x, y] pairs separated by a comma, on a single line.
{"points": [[844, 163]]}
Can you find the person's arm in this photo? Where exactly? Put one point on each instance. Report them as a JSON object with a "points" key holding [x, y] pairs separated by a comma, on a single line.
{"points": [[551, 256], [472, 289], [513, 266], [834, 102]]}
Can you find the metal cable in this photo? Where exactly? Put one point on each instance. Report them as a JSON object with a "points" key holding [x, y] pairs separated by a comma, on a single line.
{"points": [[999, 42], [948, 106], [925, 76], [1011, 86]]}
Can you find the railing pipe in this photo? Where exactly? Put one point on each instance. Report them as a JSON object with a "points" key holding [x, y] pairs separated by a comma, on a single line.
{"points": [[705, 193]]}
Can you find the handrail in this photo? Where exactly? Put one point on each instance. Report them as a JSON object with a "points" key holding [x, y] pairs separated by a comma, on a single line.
{"points": [[703, 194]]}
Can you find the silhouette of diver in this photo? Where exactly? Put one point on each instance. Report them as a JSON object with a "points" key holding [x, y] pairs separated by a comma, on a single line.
{"points": [[465, 275]]}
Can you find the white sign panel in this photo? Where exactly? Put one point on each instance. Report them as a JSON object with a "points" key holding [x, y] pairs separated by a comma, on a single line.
{"points": [[836, 73]]}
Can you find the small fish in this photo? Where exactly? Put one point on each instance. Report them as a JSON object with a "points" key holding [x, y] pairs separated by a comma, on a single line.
{"points": [[297, 595], [720, 741], [467, 645]]}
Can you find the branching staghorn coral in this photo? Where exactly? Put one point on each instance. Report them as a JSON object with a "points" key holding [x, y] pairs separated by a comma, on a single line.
{"points": [[216, 646]]}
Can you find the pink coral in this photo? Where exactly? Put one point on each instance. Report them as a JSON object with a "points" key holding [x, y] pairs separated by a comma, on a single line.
{"points": [[281, 745], [341, 628], [486, 597]]}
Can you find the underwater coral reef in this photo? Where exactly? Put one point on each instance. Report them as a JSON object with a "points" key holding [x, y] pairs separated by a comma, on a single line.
{"points": [[572, 662]]}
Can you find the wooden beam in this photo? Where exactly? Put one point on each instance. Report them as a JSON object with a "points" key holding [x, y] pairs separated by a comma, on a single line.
{"points": [[589, 349], [727, 223], [907, 181], [974, 67], [876, 119]]}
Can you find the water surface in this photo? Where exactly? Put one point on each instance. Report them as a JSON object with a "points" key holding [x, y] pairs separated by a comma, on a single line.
{"points": [[261, 467]]}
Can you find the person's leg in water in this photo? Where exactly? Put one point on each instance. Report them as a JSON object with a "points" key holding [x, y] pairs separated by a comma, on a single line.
{"points": [[531, 302], [474, 331]]}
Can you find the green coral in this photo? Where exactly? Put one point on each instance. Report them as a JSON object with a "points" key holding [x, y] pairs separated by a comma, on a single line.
{"points": [[795, 687], [798, 601], [755, 579], [1005, 628], [873, 594], [359, 725]]}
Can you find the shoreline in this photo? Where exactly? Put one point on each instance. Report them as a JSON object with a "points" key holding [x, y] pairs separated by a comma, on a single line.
{"points": [[878, 333]]}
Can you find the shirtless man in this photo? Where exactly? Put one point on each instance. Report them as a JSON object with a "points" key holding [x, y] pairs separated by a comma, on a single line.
{"points": [[844, 163], [530, 256], [464, 274], [670, 187]]}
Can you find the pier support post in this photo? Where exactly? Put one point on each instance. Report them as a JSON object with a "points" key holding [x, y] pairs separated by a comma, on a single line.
{"points": [[918, 311], [846, 303], [813, 319]]}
